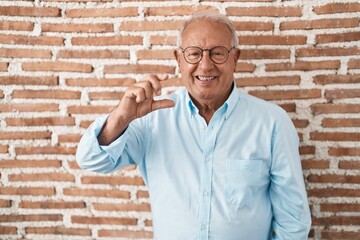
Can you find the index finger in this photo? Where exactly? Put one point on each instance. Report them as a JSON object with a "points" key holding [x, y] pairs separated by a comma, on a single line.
{"points": [[155, 82]]}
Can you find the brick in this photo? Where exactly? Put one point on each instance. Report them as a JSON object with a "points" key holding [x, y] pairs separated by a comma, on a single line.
{"points": [[113, 180], [163, 40], [75, 138], [78, 28], [336, 79], [150, 25], [23, 191], [325, 108], [288, 107], [47, 177], [306, 150], [138, 68], [340, 122], [73, 165], [1, 94], [99, 82], [18, 164], [172, 82], [245, 67], [265, 11], [5, 203], [107, 41], [105, 95], [237, 0], [326, 51], [4, 149], [3, 66], [16, 26], [340, 207], [333, 151], [59, 230], [89, 109], [177, 10], [333, 178], [303, 66], [286, 94], [148, 223], [334, 136], [337, 8], [352, 165], [315, 164], [336, 220], [336, 235], [354, 63], [85, 124], [8, 230], [31, 40], [26, 80], [31, 218], [102, 12], [24, 135], [338, 37], [272, 40], [300, 123], [155, 54], [30, 107], [253, 26], [41, 121], [106, 193], [129, 234], [46, 150], [142, 194], [342, 93], [42, 94], [51, 205], [333, 192], [320, 24], [57, 67], [265, 54], [30, 11], [96, 54], [104, 220], [25, 53], [126, 207]]}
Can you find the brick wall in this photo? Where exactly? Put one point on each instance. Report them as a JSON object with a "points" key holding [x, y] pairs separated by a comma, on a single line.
{"points": [[64, 62]]}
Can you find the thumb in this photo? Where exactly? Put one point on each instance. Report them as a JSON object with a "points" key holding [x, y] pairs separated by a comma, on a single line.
{"points": [[160, 104]]}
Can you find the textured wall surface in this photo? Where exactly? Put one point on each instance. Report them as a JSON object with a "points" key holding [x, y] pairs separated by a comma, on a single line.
{"points": [[64, 62]]}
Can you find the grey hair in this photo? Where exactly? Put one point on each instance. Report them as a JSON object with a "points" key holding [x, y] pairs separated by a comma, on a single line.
{"points": [[214, 17]]}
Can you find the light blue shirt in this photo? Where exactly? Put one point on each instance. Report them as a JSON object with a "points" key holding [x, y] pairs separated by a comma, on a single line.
{"points": [[237, 178]]}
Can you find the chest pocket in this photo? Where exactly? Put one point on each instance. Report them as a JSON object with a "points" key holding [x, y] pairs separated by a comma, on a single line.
{"points": [[244, 178]]}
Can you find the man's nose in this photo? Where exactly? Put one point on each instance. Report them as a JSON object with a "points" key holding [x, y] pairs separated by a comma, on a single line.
{"points": [[206, 62]]}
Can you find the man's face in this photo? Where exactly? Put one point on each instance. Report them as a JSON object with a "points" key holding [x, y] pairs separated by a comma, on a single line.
{"points": [[207, 82]]}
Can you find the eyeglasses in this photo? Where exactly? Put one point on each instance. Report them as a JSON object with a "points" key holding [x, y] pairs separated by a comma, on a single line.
{"points": [[218, 54]]}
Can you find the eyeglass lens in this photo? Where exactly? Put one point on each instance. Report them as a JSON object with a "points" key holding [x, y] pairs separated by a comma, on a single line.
{"points": [[217, 54]]}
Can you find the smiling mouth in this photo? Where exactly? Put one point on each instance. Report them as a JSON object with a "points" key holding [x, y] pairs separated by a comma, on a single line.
{"points": [[204, 79]]}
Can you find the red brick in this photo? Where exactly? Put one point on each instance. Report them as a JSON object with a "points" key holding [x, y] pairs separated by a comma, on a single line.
{"points": [[354, 63], [253, 26], [333, 192], [177, 10], [300, 123], [171, 82], [336, 235], [351, 165], [25, 53], [163, 40], [46, 150], [288, 107], [46, 177], [100, 82], [340, 207], [138, 68], [142, 194], [333, 151], [104, 220], [320, 24], [106, 193], [113, 180], [59, 230], [107, 41], [265, 11], [5, 203], [3, 66], [264, 54], [85, 124], [333, 178], [31, 218], [25, 80], [325, 108], [315, 164], [1, 94], [342, 93], [245, 67], [52, 205], [31, 40], [24, 135], [105, 95], [337, 8], [287, 94], [129, 234], [306, 150], [326, 51], [338, 37], [69, 138], [79, 28], [334, 136], [272, 40], [340, 122], [41, 121], [126, 207], [57, 67], [336, 220], [155, 54], [16, 26], [89, 109], [336, 79], [150, 25], [102, 12], [30, 11], [42, 94], [303, 66], [4, 149], [96, 54], [18, 164], [8, 230], [22, 191]]}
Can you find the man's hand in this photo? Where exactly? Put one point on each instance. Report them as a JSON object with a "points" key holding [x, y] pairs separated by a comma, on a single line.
{"points": [[138, 100]]}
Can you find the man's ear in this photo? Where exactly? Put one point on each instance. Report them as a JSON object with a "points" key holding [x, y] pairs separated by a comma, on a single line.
{"points": [[177, 55], [237, 55]]}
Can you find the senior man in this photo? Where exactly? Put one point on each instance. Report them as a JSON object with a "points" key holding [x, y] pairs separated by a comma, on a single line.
{"points": [[218, 164]]}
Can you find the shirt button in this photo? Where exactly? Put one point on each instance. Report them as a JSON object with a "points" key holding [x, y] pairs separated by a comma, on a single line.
{"points": [[207, 159], [203, 227], [206, 193]]}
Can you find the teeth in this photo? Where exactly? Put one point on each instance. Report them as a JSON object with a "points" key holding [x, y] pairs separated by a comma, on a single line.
{"points": [[202, 78]]}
